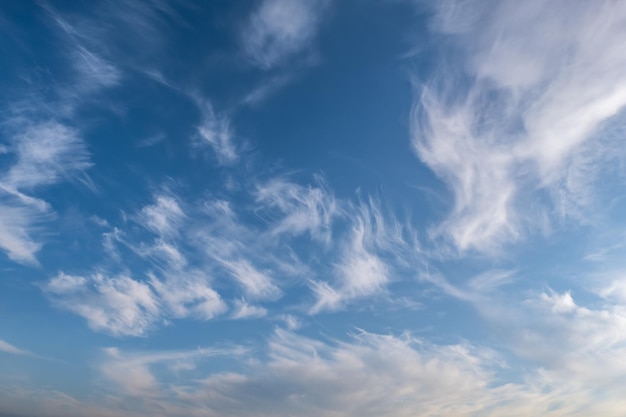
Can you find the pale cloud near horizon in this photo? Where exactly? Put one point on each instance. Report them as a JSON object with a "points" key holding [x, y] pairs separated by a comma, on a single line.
{"points": [[567, 342], [519, 113], [367, 375]]}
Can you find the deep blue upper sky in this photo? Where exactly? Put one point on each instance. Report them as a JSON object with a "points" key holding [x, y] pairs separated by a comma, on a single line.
{"points": [[312, 208]]}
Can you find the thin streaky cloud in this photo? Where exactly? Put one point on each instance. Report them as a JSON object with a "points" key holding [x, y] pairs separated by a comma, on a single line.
{"points": [[6, 347], [300, 209], [215, 131]]}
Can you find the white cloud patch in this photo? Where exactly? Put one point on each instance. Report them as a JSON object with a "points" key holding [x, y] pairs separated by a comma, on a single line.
{"points": [[164, 217], [281, 29], [538, 82]]}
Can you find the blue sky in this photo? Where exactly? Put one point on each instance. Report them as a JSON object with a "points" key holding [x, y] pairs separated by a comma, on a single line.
{"points": [[312, 208]]}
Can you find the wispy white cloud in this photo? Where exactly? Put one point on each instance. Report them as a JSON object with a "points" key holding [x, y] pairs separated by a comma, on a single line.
{"points": [[46, 150], [168, 252], [377, 246], [256, 284], [301, 209], [245, 252], [206, 244], [18, 223], [117, 305], [44, 153], [373, 375], [151, 140], [577, 350], [518, 108], [215, 130], [243, 310], [266, 89], [125, 306], [570, 341], [281, 29], [93, 72], [132, 372], [165, 217], [6, 347], [188, 293], [366, 375]]}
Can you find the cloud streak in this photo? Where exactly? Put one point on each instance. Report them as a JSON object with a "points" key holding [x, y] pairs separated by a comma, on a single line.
{"points": [[6, 347]]}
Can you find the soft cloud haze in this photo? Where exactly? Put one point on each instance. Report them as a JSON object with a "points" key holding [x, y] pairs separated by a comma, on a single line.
{"points": [[313, 208]]}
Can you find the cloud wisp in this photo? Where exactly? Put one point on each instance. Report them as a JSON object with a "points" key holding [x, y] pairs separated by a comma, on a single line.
{"points": [[368, 374], [569, 344], [6, 347], [516, 112], [280, 30], [377, 247], [215, 131], [44, 154], [199, 259]]}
